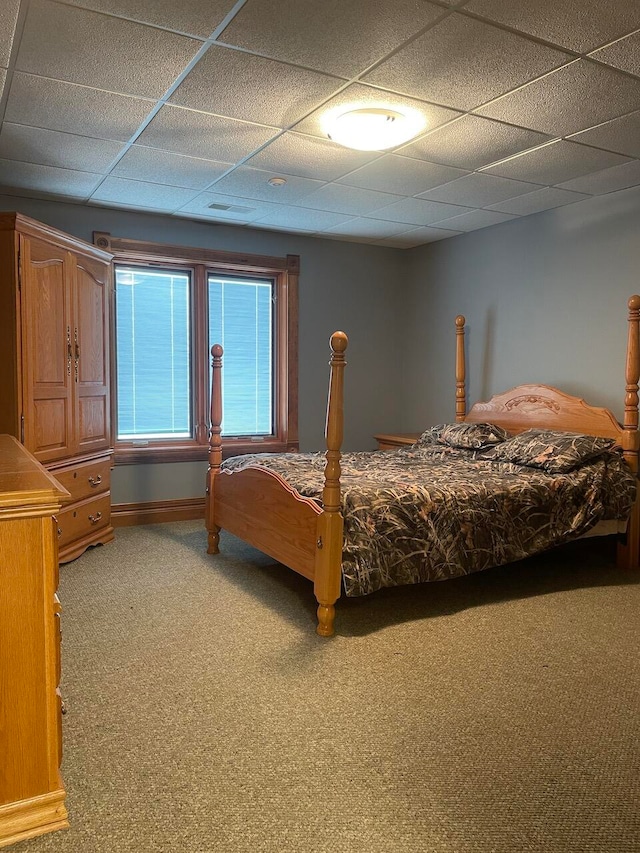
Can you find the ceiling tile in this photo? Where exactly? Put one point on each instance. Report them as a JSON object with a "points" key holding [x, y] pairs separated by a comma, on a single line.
{"points": [[3, 77], [141, 195], [440, 66], [621, 135], [476, 219], [162, 167], [608, 180], [401, 175], [8, 18], [542, 199], [69, 44], [554, 163], [579, 25], [241, 209], [46, 179], [472, 142], [334, 36], [418, 211], [624, 54], [197, 17], [343, 199], [417, 237], [315, 220], [568, 100], [246, 182], [478, 190], [52, 104], [203, 135], [358, 95], [371, 229], [308, 157], [52, 148], [232, 83]]}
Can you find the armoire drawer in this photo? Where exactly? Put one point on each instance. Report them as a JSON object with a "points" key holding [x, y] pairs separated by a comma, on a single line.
{"points": [[83, 518], [86, 479]]}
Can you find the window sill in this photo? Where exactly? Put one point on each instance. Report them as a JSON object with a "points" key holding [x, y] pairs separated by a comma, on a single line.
{"points": [[127, 454]]}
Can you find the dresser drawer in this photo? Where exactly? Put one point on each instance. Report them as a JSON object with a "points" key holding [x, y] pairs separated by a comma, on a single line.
{"points": [[84, 480], [83, 518]]}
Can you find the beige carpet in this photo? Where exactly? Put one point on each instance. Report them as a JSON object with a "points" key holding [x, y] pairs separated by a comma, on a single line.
{"points": [[500, 712]]}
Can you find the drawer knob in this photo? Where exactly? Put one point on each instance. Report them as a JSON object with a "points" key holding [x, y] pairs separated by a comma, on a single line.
{"points": [[93, 483], [94, 519]]}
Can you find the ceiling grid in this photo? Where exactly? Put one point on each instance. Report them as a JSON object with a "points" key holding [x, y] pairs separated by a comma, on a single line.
{"points": [[172, 107]]}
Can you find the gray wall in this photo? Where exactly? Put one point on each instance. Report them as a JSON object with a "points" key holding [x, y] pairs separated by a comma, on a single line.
{"points": [[544, 296], [545, 299], [342, 286]]}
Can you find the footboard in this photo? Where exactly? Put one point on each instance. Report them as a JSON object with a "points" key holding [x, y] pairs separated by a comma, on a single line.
{"points": [[259, 507]]}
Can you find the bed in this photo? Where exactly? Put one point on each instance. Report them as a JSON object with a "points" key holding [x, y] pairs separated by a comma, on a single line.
{"points": [[480, 492]]}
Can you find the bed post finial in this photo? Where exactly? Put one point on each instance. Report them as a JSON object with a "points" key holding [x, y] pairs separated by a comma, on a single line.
{"points": [[328, 574], [461, 400], [215, 445]]}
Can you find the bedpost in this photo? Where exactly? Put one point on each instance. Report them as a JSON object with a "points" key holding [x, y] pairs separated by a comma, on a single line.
{"points": [[629, 551], [328, 567], [461, 401], [215, 446]]}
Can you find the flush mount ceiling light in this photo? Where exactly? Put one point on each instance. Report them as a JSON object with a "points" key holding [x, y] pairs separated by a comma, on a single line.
{"points": [[373, 128]]}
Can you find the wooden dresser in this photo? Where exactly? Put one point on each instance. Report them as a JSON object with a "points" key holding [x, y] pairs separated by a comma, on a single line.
{"points": [[392, 441], [31, 791], [55, 295]]}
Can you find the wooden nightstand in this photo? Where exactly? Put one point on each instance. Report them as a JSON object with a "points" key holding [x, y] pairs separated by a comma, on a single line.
{"points": [[392, 441]]}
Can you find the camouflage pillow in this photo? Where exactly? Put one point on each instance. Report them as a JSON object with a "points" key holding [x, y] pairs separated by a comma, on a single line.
{"points": [[553, 452], [469, 436]]}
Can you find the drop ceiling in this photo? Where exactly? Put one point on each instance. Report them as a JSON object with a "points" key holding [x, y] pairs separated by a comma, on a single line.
{"points": [[188, 109]]}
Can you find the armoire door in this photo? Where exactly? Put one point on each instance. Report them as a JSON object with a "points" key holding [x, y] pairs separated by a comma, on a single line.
{"points": [[91, 355], [47, 349]]}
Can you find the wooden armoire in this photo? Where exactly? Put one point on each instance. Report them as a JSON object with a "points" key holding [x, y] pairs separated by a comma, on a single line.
{"points": [[55, 296]]}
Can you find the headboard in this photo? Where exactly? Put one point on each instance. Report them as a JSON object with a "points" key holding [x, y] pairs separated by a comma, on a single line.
{"points": [[543, 406]]}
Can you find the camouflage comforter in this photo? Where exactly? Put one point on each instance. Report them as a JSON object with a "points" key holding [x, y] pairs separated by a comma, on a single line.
{"points": [[436, 512]]}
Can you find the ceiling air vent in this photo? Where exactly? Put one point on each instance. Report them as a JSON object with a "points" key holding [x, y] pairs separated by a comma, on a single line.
{"points": [[232, 208]]}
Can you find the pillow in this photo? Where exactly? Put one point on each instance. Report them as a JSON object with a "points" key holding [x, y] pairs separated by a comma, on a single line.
{"points": [[469, 436], [553, 452]]}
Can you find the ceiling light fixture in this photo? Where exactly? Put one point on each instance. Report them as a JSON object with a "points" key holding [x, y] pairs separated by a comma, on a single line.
{"points": [[373, 128], [277, 182]]}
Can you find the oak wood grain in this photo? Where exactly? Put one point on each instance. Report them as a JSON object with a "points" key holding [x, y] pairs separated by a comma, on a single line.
{"points": [[31, 790]]}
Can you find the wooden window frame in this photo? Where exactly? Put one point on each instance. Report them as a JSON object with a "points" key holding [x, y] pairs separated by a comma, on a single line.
{"points": [[284, 272]]}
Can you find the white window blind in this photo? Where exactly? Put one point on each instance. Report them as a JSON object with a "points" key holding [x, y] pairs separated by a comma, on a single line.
{"points": [[241, 319], [153, 353], [154, 359]]}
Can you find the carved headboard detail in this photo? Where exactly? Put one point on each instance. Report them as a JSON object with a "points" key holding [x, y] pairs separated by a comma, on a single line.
{"points": [[545, 407]]}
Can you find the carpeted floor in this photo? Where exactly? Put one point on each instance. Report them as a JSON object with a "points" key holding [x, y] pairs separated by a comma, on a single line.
{"points": [[491, 714]]}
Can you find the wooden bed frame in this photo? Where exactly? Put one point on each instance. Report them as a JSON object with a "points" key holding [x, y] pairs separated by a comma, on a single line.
{"points": [[259, 507]]}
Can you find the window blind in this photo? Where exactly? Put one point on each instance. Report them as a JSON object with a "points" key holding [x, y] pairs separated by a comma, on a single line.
{"points": [[153, 353], [241, 319]]}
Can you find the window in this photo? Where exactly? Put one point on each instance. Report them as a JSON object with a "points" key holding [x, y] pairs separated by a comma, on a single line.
{"points": [[171, 305], [153, 366], [240, 318]]}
